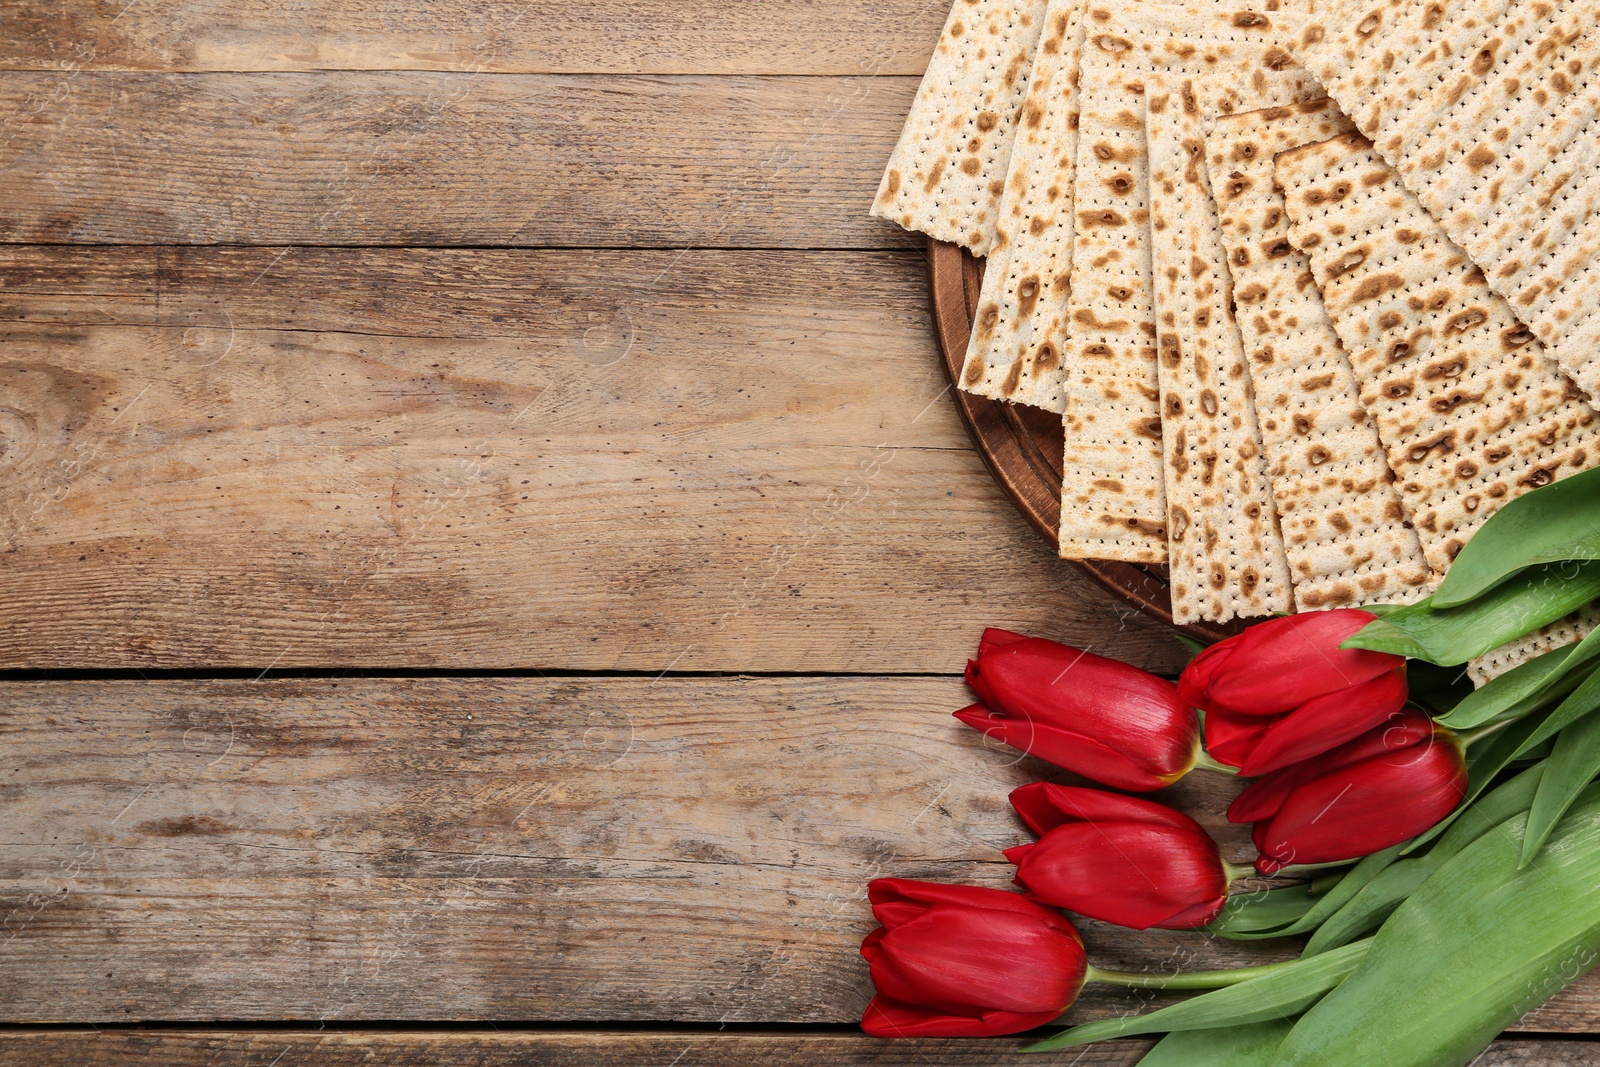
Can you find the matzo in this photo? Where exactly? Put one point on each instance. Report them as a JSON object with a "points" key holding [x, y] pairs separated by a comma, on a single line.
{"points": [[1574, 627], [1492, 117], [1344, 530], [1014, 353], [1469, 408], [1112, 501], [1226, 556], [948, 169], [1113, 498]]}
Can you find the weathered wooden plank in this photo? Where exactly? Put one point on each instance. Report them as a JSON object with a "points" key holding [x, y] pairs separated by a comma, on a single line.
{"points": [[847, 37], [474, 459], [341, 1049], [681, 849], [442, 158]]}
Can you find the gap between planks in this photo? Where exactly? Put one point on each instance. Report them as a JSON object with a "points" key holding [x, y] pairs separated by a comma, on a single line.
{"points": [[669, 1048]]}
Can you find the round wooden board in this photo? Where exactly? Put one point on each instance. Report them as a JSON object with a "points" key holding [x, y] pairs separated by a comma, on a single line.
{"points": [[1023, 445]]}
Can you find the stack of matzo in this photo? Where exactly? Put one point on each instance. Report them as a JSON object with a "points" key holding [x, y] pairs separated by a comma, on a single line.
{"points": [[1297, 366]]}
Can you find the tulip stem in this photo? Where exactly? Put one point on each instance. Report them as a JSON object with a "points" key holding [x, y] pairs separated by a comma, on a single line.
{"points": [[1468, 737], [1185, 979], [1235, 872], [1307, 868], [1204, 762]]}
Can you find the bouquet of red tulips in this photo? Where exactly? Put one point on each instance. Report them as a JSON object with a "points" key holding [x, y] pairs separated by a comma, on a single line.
{"points": [[1388, 796]]}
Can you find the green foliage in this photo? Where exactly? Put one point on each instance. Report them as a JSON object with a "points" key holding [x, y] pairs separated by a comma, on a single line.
{"points": [[1276, 992], [1255, 1045], [1448, 636], [1558, 522], [1480, 942]]}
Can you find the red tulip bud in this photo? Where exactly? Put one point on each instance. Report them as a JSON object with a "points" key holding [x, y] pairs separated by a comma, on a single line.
{"points": [[1259, 744], [960, 961], [1105, 720], [1120, 859], [1386, 786], [1280, 664]]}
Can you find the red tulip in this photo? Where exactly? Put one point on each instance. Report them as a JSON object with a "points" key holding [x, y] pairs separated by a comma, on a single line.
{"points": [[1105, 720], [960, 961], [1278, 665], [1259, 744], [1120, 859], [1386, 786]]}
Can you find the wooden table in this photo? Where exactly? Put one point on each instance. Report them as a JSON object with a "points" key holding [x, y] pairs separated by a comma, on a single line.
{"points": [[487, 553]]}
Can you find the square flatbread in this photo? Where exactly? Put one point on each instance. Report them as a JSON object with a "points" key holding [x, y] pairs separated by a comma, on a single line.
{"points": [[949, 166], [1226, 557], [1470, 409], [1344, 530], [1113, 494], [1574, 627], [1113, 503], [1015, 350], [1490, 110]]}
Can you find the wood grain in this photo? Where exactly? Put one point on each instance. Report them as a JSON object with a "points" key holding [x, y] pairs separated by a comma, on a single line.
{"points": [[484, 459], [578, 848], [447, 159], [312, 1049], [847, 37], [563, 849]]}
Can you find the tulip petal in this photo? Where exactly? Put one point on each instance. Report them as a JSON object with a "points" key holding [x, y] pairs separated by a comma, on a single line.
{"points": [[1265, 795], [1282, 663], [1232, 738], [900, 890], [979, 684], [885, 1017], [965, 960], [1133, 874], [1197, 916], [1114, 706], [995, 639], [892, 913], [1075, 752], [1046, 805], [1326, 722], [870, 947], [1195, 681], [1368, 806], [1375, 805]]}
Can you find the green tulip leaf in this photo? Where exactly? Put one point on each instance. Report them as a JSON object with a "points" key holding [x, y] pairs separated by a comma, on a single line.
{"points": [[1554, 523], [1374, 902], [1479, 944], [1448, 636], [1278, 991], [1349, 887], [1486, 761], [1582, 701], [1296, 909], [1255, 1045], [1517, 691], [1506, 800], [1265, 913], [1573, 763]]}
